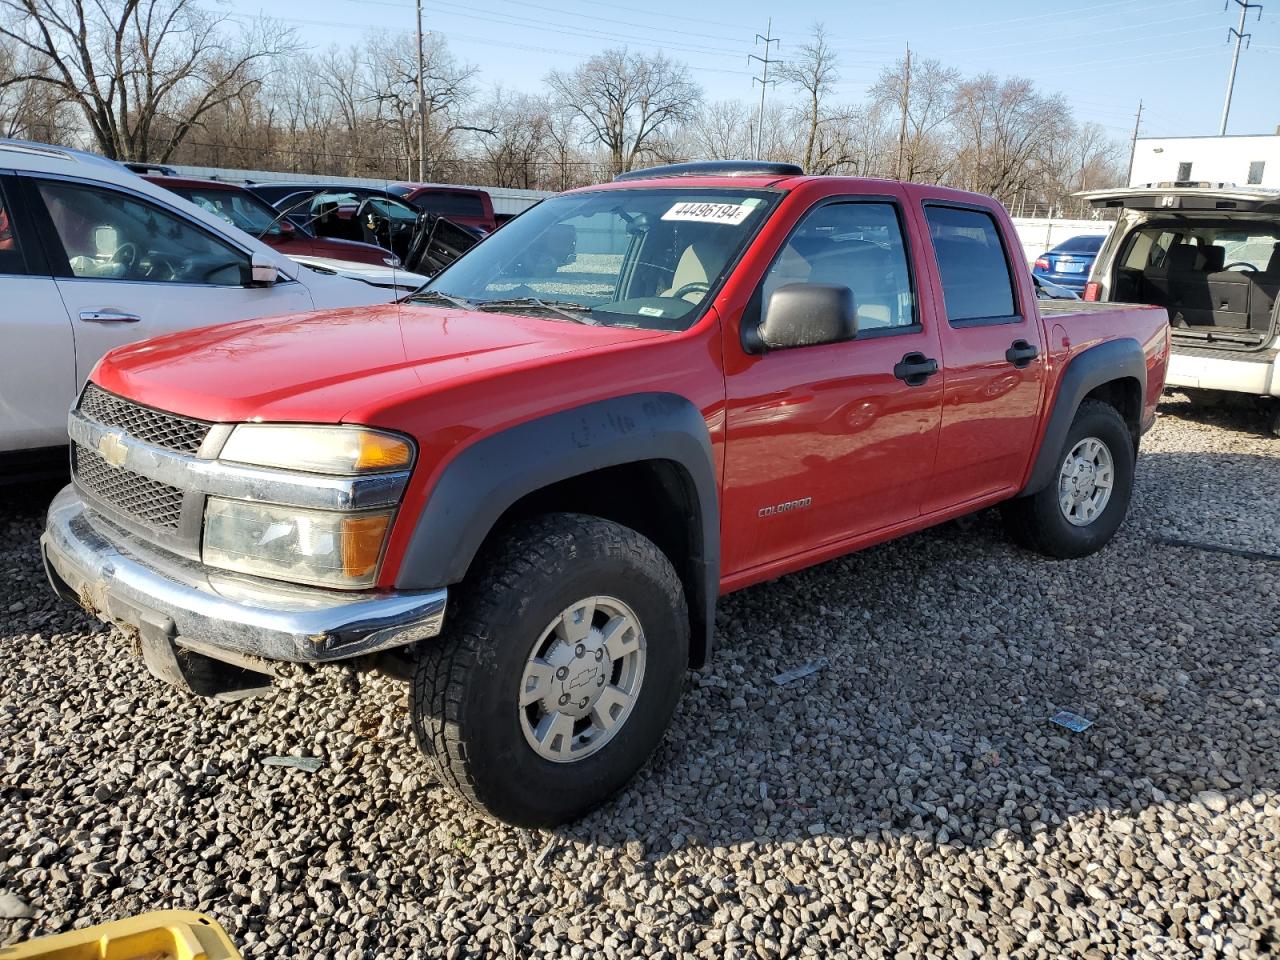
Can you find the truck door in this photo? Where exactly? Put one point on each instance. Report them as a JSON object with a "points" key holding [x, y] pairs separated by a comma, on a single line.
{"points": [[827, 442], [992, 346]]}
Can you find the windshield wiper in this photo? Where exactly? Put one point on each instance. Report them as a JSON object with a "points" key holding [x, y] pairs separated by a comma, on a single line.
{"points": [[419, 296], [576, 312]]}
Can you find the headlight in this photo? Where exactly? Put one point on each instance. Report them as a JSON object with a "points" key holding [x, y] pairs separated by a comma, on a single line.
{"points": [[287, 543], [333, 450]]}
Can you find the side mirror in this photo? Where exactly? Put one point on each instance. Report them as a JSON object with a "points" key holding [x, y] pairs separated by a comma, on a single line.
{"points": [[287, 229], [263, 271], [807, 314]]}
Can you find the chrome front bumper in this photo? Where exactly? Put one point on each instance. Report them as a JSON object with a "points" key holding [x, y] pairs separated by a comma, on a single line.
{"points": [[162, 598]]}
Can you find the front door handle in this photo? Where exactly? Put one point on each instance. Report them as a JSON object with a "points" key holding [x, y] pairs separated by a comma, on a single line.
{"points": [[915, 369], [1021, 353], [108, 316]]}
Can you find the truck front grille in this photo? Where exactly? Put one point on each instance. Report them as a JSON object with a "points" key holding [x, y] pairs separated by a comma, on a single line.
{"points": [[136, 497], [160, 429]]}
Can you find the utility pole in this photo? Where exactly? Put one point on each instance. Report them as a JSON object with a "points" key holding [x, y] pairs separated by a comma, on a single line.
{"points": [[1240, 37], [906, 103], [422, 107], [763, 79], [1133, 144]]}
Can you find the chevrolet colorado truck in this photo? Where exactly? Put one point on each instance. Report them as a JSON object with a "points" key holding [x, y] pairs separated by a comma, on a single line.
{"points": [[526, 485]]}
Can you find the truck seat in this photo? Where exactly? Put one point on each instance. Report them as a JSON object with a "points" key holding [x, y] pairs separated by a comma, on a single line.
{"points": [[690, 268], [1264, 289]]}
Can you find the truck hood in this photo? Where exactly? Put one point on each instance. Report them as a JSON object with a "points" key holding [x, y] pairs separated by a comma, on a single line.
{"points": [[319, 367]]}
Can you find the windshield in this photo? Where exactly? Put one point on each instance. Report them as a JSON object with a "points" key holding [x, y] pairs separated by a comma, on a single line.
{"points": [[238, 207], [644, 258]]}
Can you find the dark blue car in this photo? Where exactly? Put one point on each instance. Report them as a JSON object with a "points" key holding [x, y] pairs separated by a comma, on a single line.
{"points": [[1068, 263]]}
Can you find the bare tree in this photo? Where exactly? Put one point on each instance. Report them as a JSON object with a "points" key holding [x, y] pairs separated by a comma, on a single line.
{"points": [[929, 109], [513, 136], [627, 101], [131, 66], [30, 109], [814, 71], [1006, 128], [391, 65]]}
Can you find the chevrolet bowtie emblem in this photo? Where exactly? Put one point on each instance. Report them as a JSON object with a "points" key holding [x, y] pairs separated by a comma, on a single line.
{"points": [[112, 448]]}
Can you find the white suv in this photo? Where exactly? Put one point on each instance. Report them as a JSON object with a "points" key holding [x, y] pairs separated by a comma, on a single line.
{"points": [[91, 257], [1209, 254]]}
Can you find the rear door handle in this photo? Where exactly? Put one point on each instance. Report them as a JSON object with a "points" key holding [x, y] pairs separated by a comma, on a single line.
{"points": [[915, 368], [1021, 353], [108, 316]]}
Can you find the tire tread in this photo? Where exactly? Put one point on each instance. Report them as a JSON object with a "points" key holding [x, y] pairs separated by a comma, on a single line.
{"points": [[440, 681]]}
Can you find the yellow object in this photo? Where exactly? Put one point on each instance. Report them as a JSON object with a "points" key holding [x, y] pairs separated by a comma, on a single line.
{"points": [[381, 452], [163, 935], [362, 544]]}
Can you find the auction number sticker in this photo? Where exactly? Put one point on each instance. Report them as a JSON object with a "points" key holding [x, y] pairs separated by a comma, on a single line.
{"points": [[730, 213]]}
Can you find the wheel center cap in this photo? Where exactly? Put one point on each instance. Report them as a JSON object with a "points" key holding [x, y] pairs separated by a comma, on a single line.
{"points": [[581, 672]]}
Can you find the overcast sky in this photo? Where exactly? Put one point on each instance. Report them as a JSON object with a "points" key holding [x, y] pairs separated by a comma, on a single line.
{"points": [[1103, 56]]}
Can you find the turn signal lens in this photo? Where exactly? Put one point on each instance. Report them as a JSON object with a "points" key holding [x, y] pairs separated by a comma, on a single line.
{"points": [[379, 451], [362, 539], [1091, 291]]}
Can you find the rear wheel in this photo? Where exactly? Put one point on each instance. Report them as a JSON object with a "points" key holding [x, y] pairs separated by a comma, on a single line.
{"points": [[558, 672], [1079, 511]]}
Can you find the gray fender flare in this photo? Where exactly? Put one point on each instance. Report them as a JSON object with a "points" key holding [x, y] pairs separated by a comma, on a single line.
{"points": [[485, 479], [1112, 360]]}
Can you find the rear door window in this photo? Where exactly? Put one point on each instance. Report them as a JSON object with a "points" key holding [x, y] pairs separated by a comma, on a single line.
{"points": [[977, 284], [11, 260]]}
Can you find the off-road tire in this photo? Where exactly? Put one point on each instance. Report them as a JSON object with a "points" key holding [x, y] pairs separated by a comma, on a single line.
{"points": [[1037, 522], [464, 696]]}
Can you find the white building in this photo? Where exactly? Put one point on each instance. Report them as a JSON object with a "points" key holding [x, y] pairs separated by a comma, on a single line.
{"points": [[1239, 160]]}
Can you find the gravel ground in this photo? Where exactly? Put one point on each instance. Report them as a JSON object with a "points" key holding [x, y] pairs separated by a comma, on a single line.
{"points": [[910, 799]]}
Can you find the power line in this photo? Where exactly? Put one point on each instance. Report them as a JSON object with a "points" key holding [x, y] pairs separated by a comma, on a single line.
{"points": [[763, 79], [1241, 37], [490, 41], [560, 10]]}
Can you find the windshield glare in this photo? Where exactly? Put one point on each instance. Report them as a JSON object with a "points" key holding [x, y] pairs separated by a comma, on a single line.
{"points": [[645, 258]]}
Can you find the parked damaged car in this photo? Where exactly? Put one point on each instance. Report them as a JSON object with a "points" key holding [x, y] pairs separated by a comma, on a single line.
{"points": [[424, 241]]}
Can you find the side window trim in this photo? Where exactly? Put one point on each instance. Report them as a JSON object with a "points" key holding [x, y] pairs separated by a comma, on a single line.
{"points": [[754, 312], [1011, 319], [56, 251]]}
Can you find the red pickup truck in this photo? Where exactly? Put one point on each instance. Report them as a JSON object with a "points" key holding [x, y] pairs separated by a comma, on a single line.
{"points": [[525, 486]]}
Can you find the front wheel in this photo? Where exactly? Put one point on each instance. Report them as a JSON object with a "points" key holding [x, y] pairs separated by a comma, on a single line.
{"points": [[558, 672], [1085, 503]]}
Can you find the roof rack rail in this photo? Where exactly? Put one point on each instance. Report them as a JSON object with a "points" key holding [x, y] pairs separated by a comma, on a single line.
{"points": [[40, 149], [142, 169], [716, 168]]}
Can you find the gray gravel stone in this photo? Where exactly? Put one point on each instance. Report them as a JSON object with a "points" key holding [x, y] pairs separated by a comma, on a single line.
{"points": [[13, 908], [910, 799]]}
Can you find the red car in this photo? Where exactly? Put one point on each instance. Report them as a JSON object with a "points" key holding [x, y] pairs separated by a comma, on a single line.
{"points": [[244, 209], [525, 486], [471, 208]]}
